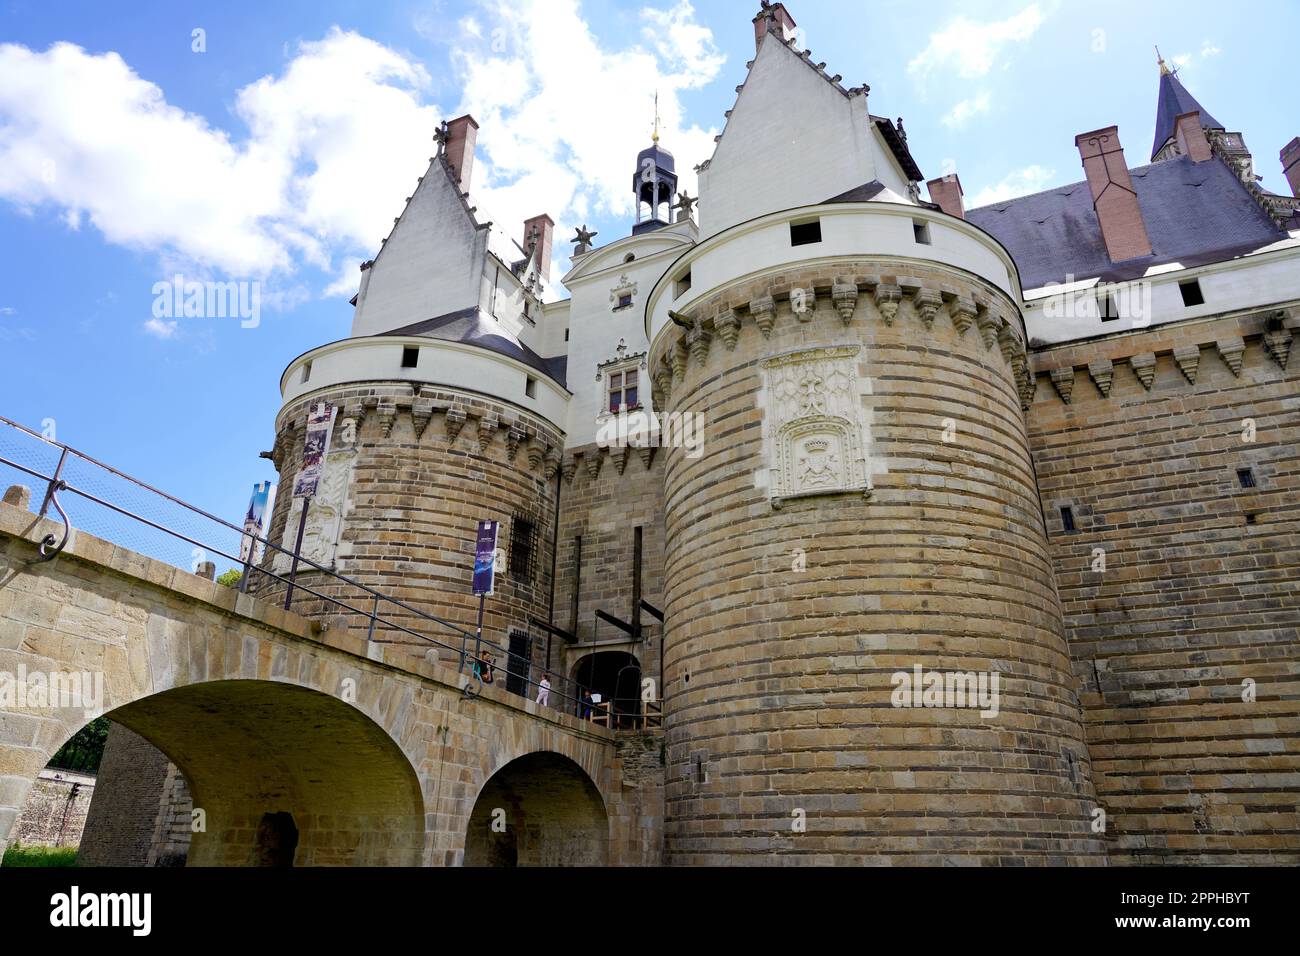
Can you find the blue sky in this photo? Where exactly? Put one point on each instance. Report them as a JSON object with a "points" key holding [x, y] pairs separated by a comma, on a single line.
{"points": [[279, 152]]}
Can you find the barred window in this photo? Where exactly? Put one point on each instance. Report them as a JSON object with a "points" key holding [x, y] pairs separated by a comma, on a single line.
{"points": [[523, 545]]}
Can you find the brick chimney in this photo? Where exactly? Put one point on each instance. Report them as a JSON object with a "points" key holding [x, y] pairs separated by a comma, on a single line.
{"points": [[540, 230], [1190, 136], [1113, 196], [774, 18], [946, 193], [1291, 164], [462, 134]]}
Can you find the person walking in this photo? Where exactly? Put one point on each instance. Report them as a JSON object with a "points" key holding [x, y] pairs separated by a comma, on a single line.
{"points": [[544, 690]]}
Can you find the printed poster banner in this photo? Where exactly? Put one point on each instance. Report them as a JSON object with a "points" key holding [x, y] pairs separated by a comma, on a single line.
{"points": [[320, 423], [259, 506], [485, 551]]}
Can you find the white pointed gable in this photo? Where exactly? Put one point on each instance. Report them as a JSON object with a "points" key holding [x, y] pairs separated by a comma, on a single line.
{"points": [[794, 138], [431, 264]]}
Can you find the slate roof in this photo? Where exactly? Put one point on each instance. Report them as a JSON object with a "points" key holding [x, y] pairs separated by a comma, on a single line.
{"points": [[1174, 101], [468, 326], [1195, 213]]}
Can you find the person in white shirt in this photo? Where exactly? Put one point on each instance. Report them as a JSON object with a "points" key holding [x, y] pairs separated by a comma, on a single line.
{"points": [[544, 691]]}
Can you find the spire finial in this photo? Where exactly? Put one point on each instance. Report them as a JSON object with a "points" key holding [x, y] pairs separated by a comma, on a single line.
{"points": [[1164, 69], [655, 137]]}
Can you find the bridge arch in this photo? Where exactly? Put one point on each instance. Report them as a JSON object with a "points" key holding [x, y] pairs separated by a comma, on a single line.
{"points": [[541, 809]]}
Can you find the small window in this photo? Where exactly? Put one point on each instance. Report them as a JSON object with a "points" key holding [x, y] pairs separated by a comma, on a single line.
{"points": [[523, 534], [683, 284], [629, 257], [805, 233], [306, 371], [1246, 477], [1067, 518], [1107, 305], [1250, 517], [530, 387], [528, 310], [622, 390], [410, 356], [624, 301], [566, 335], [921, 232], [1192, 294]]}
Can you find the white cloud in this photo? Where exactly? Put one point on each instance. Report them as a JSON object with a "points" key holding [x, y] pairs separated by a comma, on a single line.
{"points": [[1021, 182], [965, 110], [1181, 60], [562, 116], [337, 138], [8, 310], [348, 281], [1208, 49], [972, 48], [161, 328]]}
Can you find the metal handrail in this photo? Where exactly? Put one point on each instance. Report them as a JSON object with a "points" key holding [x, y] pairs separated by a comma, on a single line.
{"points": [[559, 686]]}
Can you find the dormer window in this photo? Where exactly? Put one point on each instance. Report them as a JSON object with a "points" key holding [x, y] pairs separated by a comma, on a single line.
{"points": [[624, 301], [622, 391]]}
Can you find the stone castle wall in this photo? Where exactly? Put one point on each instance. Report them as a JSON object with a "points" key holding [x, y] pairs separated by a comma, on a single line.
{"points": [[55, 812], [786, 624], [1184, 641]]}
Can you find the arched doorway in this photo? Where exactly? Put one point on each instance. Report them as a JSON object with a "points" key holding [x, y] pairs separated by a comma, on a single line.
{"points": [[616, 677], [278, 775], [539, 810]]}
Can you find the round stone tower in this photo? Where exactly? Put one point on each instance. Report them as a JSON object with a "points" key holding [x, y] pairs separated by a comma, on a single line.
{"points": [[431, 436], [864, 654]]}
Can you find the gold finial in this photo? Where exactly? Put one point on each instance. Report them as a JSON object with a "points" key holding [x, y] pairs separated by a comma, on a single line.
{"points": [[655, 137], [1164, 70]]}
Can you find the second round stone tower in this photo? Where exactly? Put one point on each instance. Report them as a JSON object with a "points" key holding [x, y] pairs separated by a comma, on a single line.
{"points": [[865, 659]]}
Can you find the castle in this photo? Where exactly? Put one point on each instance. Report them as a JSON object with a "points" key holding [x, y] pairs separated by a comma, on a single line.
{"points": [[777, 482]]}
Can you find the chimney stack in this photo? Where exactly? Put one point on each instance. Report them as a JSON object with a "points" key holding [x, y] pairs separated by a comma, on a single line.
{"points": [[946, 193], [1291, 164], [1190, 136], [773, 18], [462, 134], [1113, 196], [544, 227]]}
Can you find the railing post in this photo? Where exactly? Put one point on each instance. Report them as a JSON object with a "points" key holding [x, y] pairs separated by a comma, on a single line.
{"points": [[54, 483], [374, 612]]}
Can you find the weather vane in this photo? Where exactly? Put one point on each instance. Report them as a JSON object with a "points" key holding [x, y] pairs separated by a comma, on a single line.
{"points": [[655, 137]]}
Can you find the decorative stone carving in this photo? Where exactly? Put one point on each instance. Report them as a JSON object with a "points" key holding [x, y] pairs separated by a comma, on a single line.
{"points": [[624, 287], [1278, 344], [647, 453], [888, 297], [677, 355], [487, 427], [514, 436], [618, 455], [1103, 373], [568, 468], [1063, 379], [536, 454], [963, 314], [1026, 383], [1231, 350], [387, 415], [551, 464], [1144, 366], [845, 296], [989, 326], [1188, 358], [1008, 344], [591, 458], [927, 302], [803, 303], [697, 340], [663, 379], [727, 325], [455, 421], [763, 309], [815, 432]]}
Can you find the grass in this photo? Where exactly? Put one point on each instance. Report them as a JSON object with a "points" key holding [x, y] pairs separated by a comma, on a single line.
{"points": [[18, 855]]}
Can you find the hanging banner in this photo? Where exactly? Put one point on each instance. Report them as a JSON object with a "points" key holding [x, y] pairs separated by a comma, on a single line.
{"points": [[485, 551], [259, 506], [320, 424]]}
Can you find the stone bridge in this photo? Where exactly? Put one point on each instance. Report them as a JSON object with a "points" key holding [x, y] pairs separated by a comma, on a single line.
{"points": [[376, 753]]}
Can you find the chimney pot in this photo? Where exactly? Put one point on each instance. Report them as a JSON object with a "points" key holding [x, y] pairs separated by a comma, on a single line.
{"points": [[1291, 164], [773, 18], [947, 193], [1113, 196], [1190, 136], [462, 134]]}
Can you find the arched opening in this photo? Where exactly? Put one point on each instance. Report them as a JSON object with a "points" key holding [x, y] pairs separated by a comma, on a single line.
{"points": [[539, 810], [614, 677], [276, 774]]}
